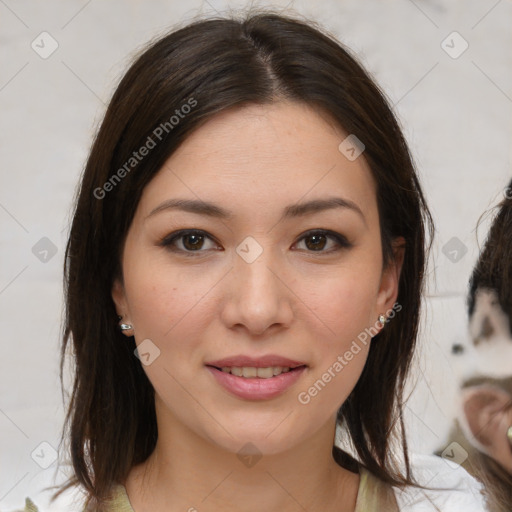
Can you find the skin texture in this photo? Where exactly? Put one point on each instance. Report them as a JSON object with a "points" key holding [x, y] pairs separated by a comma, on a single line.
{"points": [[294, 300]]}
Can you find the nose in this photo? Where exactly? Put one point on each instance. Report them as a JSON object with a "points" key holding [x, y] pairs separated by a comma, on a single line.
{"points": [[258, 298]]}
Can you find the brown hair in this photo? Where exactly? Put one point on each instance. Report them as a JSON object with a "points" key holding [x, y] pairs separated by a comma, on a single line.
{"points": [[221, 64], [493, 271], [496, 481], [494, 267]]}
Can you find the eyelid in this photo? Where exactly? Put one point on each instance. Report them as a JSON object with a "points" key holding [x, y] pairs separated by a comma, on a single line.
{"points": [[168, 240], [340, 239]]}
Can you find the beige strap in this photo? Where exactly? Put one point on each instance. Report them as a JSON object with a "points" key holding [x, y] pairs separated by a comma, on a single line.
{"points": [[30, 506], [120, 501], [374, 495]]}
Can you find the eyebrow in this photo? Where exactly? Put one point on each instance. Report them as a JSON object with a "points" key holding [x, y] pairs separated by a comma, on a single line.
{"points": [[295, 210]]}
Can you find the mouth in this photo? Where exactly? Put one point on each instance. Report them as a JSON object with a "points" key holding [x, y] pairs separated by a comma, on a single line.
{"points": [[256, 379], [252, 372]]}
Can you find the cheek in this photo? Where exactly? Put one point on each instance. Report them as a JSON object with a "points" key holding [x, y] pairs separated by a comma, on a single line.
{"points": [[342, 308], [165, 302], [343, 301], [347, 308]]}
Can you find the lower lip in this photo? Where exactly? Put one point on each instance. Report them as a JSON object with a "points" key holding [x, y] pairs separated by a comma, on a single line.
{"points": [[256, 388]]}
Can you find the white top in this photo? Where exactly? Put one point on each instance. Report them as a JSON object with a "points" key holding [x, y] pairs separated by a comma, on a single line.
{"points": [[459, 491]]}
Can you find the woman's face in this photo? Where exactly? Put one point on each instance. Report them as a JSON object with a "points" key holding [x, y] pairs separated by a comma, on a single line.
{"points": [[258, 278]]}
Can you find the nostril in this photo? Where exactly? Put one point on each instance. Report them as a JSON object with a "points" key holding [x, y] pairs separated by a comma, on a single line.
{"points": [[457, 348]]}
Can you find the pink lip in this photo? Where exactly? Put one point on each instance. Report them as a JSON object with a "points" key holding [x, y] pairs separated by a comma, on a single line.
{"points": [[256, 388], [256, 362]]}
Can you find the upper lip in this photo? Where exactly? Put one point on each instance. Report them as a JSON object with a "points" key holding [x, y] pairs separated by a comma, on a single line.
{"points": [[255, 362]]}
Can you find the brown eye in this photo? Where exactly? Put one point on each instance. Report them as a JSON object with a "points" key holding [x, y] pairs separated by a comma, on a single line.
{"points": [[187, 242], [192, 242], [316, 241]]}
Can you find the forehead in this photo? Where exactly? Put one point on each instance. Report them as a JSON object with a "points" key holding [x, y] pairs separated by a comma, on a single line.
{"points": [[274, 154]]}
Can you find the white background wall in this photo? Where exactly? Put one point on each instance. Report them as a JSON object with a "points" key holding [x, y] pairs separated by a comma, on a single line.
{"points": [[456, 113]]}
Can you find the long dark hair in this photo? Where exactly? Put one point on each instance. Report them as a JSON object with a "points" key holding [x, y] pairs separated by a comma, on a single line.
{"points": [[213, 65]]}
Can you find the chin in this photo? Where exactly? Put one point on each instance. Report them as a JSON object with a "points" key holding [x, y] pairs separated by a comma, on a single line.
{"points": [[270, 437], [256, 446]]}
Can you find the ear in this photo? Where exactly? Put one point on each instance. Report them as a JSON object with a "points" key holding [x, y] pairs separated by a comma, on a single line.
{"points": [[486, 417], [119, 298], [390, 278]]}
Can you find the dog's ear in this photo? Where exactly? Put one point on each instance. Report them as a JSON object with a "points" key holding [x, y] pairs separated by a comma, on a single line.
{"points": [[486, 415], [488, 319]]}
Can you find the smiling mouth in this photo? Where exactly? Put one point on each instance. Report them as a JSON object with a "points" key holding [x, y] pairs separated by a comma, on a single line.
{"points": [[250, 372]]}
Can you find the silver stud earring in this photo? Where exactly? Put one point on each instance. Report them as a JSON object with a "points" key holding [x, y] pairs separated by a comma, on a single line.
{"points": [[382, 320], [123, 326]]}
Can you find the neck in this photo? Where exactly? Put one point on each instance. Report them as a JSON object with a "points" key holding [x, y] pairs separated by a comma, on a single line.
{"points": [[188, 472]]}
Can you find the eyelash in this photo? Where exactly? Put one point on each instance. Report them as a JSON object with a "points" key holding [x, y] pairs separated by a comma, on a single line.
{"points": [[169, 240]]}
